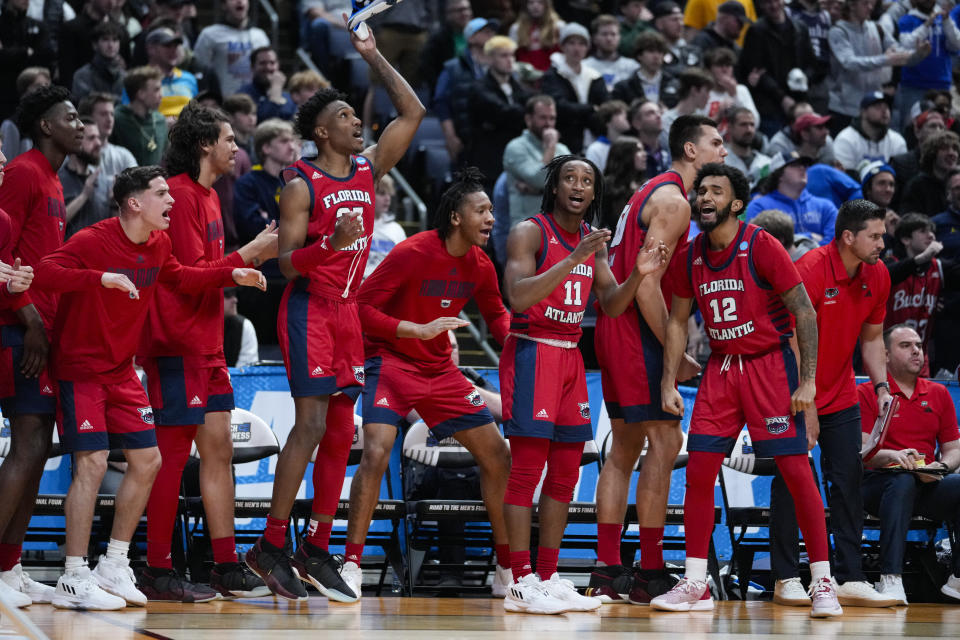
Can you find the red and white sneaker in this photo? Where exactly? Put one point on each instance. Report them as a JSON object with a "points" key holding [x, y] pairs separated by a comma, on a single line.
{"points": [[826, 604], [686, 595]]}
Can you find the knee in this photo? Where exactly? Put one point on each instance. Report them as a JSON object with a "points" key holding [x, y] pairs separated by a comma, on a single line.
{"points": [[901, 490], [147, 463], [375, 459], [308, 431], [665, 442], [91, 465], [561, 482], [522, 482]]}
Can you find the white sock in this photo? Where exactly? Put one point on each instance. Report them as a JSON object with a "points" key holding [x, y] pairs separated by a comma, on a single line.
{"points": [[696, 569], [118, 550], [73, 563], [819, 570]]}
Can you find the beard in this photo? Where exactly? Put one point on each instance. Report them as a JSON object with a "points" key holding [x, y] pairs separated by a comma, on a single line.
{"points": [[89, 158], [719, 219]]}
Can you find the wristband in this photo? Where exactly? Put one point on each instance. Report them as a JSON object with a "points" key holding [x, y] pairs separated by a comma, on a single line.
{"points": [[883, 384]]}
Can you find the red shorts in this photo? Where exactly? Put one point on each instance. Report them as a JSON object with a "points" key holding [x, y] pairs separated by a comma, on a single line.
{"points": [[19, 395], [183, 389], [92, 416], [631, 366], [446, 401], [544, 392], [321, 341], [755, 389]]}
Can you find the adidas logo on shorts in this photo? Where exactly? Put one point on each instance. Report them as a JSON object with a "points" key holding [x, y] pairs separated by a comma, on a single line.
{"points": [[317, 372], [195, 401], [542, 414], [86, 426], [383, 402]]}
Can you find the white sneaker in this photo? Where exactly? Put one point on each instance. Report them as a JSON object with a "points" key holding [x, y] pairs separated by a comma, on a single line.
{"points": [[352, 574], [13, 595], [951, 587], [529, 596], [116, 577], [862, 594], [502, 579], [823, 594], [790, 593], [686, 595], [564, 591], [20, 580], [77, 589], [892, 585]]}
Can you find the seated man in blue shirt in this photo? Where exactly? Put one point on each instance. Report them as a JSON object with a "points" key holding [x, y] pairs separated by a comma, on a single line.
{"points": [[266, 88]]}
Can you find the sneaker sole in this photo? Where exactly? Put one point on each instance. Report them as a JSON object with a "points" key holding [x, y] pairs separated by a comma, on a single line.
{"points": [[366, 13], [269, 579], [792, 602], [604, 598], [512, 606], [828, 613], [865, 602], [68, 603], [699, 605], [950, 593], [130, 603], [331, 594], [259, 592], [158, 598]]}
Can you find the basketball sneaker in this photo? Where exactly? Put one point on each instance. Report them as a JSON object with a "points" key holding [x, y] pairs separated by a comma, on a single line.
{"points": [[272, 564], [564, 591], [236, 580], [862, 594], [502, 579], [686, 595], [528, 595], [790, 593], [892, 585], [77, 589], [13, 595], [611, 583], [823, 593], [363, 10], [166, 585], [21, 582], [115, 576], [352, 574], [648, 584], [951, 588], [317, 567]]}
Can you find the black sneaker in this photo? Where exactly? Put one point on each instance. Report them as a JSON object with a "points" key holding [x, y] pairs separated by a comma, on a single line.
{"points": [[610, 583], [272, 564], [650, 583], [322, 570], [236, 580], [166, 585]]}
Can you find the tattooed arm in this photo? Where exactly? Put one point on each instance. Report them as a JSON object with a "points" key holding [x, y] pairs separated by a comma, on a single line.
{"points": [[798, 303]]}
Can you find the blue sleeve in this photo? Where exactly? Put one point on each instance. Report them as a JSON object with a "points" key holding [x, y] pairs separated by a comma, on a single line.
{"points": [[268, 109], [828, 221], [754, 208], [246, 208], [441, 97], [955, 15]]}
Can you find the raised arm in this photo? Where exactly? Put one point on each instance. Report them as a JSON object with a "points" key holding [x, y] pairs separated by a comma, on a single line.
{"points": [[399, 133], [674, 349], [798, 303]]}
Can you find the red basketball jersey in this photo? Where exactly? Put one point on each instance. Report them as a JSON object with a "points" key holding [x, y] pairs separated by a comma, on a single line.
{"points": [[631, 232], [738, 291], [331, 198], [914, 300], [559, 315]]}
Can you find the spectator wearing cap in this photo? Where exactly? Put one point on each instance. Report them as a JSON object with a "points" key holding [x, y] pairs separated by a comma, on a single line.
{"points": [[668, 20], [723, 32], [105, 72], [869, 137], [926, 192], [451, 99], [606, 58], [497, 104], [925, 23], [741, 139], [577, 89], [648, 80], [537, 33], [773, 46], [727, 92], [785, 190], [907, 164], [698, 14], [878, 181], [175, 14], [165, 51], [139, 126], [74, 49], [225, 47], [807, 135], [613, 116], [266, 88], [862, 57], [446, 42], [25, 43], [694, 93]]}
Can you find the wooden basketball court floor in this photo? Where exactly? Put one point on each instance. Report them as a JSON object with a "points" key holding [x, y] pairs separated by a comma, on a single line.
{"points": [[397, 618]]}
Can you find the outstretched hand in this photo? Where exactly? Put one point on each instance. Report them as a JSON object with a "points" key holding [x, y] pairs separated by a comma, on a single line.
{"points": [[246, 277], [362, 39], [590, 244], [119, 281], [434, 328], [652, 259]]}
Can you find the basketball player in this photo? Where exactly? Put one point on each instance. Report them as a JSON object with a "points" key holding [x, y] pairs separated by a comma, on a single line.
{"points": [[553, 260], [406, 306], [187, 379], [631, 356], [749, 293], [108, 274], [32, 196], [326, 220]]}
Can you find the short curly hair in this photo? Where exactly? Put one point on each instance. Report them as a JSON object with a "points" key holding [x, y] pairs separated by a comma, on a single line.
{"points": [[34, 106], [306, 120], [197, 126], [739, 182]]}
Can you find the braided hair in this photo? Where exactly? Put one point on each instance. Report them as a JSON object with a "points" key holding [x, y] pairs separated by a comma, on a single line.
{"points": [[553, 181], [469, 180]]}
